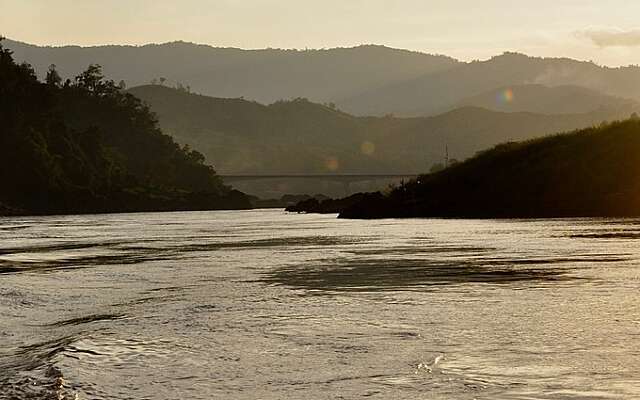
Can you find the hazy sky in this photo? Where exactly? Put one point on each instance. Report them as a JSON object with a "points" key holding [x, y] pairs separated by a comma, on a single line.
{"points": [[607, 32]]}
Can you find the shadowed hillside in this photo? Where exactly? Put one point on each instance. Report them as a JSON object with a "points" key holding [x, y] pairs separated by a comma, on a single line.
{"points": [[303, 137], [86, 146], [589, 173]]}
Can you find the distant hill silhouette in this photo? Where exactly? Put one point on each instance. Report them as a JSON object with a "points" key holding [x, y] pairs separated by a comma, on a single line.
{"points": [[439, 90], [364, 80], [543, 99], [263, 75], [303, 137], [589, 173], [85, 146]]}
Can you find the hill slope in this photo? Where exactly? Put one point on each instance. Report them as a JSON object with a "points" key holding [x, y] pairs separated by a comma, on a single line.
{"points": [[88, 147], [589, 173], [303, 137]]}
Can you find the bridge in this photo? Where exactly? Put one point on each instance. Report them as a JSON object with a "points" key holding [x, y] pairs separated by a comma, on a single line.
{"points": [[333, 185], [325, 177]]}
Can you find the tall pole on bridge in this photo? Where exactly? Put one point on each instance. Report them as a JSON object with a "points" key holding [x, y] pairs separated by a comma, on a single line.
{"points": [[446, 155]]}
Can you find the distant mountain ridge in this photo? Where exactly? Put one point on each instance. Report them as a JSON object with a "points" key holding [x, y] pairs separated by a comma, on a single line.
{"points": [[265, 75], [541, 99], [300, 136], [364, 80], [432, 92]]}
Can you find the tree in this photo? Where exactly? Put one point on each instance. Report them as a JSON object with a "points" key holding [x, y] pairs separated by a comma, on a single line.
{"points": [[53, 78], [162, 81], [91, 78], [331, 105]]}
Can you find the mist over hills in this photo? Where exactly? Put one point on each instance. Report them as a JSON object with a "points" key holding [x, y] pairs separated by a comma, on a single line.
{"points": [[298, 136], [436, 91], [537, 98], [364, 80]]}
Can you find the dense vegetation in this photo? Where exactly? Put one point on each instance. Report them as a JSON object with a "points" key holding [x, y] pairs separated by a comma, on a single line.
{"points": [[590, 173], [86, 146], [300, 136], [328, 206], [365, 80]]}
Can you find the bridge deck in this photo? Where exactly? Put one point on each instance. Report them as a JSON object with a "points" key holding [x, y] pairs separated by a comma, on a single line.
{"points": [[318, 176]]}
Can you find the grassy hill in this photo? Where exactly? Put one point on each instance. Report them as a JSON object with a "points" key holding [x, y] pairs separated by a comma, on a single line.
{"points": [[589, 173], [299, 136]]}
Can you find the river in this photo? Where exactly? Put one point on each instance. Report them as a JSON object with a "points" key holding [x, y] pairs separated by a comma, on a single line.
{"points": [[270, 305]]}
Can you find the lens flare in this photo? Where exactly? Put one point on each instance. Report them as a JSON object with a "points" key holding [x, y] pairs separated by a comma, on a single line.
{"points": [[368, 148], [332, 164], [506, 96]]}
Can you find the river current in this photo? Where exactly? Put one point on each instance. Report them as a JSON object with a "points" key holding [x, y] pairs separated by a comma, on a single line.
{"points": [[270, 305]]}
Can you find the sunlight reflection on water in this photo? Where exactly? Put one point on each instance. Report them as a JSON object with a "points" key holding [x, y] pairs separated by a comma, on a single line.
{"points": [[263, 304]]}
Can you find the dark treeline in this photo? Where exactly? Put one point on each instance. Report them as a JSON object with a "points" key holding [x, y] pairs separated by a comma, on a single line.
{"points": [[590, 173], [86, 146]]}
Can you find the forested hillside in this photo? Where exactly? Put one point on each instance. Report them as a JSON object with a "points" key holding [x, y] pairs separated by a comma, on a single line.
{"points": [[299, 136], [589, 173], [87, 146]]}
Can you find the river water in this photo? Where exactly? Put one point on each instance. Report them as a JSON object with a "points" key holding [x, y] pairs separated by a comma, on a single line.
{"points": [[269, 305]]}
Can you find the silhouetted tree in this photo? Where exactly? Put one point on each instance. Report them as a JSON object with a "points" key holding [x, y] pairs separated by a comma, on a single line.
{"points": [[53, 78], [91, 79]]}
